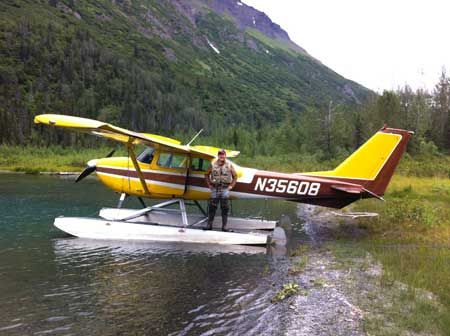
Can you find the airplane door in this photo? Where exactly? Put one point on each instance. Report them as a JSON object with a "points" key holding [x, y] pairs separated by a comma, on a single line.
{"points": [[171, 174]]}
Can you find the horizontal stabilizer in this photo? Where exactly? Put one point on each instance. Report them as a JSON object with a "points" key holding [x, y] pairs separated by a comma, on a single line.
{"points": [[349, 189], [355, 190]]}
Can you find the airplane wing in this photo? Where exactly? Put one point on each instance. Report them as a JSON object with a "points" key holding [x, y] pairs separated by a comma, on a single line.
{"points": [[112, 132], [212, 151]]}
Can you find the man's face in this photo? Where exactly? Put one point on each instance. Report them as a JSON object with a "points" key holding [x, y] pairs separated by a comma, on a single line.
{"points": [[222, 158]]}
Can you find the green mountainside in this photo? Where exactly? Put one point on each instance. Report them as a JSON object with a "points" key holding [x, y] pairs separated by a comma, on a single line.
{"points": [[168, 67]]}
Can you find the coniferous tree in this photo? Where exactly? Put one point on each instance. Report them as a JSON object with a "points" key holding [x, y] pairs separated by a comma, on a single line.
{"points": [[440, 110]]}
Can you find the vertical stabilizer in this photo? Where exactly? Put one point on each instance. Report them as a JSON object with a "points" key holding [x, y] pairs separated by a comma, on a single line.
{"points": [[373, 164], [379, 184]]}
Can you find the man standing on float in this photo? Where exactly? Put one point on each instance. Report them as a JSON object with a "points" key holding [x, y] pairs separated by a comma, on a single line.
{"points": [[220, 178]]}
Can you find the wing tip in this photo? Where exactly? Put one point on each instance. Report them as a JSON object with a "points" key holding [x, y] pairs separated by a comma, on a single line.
{"points": [[45, 119], [232, 153]]}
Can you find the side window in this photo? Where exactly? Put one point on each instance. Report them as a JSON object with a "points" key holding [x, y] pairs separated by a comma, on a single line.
{"points": [[170, 160], [164, 159], [199, 164], [146, 156], [178, 161]]}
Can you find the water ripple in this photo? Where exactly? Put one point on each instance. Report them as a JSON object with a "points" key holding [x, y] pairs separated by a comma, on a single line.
{"points": [[52, 284]]}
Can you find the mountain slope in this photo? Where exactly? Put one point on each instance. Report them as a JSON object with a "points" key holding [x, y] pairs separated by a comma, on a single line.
{"points": [[159, 66]]}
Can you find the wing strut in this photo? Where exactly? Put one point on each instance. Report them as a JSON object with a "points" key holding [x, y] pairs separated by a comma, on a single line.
{"points": [[195, 137], [136, 165]]}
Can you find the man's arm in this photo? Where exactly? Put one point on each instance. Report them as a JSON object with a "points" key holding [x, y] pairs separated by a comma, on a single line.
{"points": [[207, 179], [233, 182]]}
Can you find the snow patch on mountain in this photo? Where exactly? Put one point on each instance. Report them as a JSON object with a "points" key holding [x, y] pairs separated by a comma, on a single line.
{"points": [[212, 46]]}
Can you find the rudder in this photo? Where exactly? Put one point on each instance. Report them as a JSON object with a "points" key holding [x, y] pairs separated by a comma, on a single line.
{"points": [[373, 164], [379, 184]]}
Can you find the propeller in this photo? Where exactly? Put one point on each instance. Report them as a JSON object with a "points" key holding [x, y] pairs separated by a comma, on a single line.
{"points": [[91, 167], [110, 153]]}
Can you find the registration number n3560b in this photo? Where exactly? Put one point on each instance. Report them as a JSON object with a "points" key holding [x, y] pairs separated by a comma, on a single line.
{"points": [[292, 187]]}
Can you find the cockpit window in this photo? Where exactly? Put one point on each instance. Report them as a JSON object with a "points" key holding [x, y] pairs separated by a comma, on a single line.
{"points": [[146, 156], [171, 160], [199, 164]]}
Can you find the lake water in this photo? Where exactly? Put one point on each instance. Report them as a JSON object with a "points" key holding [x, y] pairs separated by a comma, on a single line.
{"points": [[54, 284]]}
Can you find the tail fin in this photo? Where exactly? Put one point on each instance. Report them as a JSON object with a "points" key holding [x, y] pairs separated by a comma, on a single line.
{"points": [[373, 164]]}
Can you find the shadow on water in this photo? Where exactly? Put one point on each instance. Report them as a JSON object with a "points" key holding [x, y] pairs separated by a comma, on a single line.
{"points": [[54, 284]]}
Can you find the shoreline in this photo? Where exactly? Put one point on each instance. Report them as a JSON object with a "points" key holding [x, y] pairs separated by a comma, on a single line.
{"points": [[344, 289], [33, 159], [58, 173]]}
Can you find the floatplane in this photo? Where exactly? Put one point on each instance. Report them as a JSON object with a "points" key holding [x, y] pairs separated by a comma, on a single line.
{"points": [[174, 173]]}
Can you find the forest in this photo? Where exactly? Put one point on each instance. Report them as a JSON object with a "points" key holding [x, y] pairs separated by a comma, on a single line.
{"points": [[260, 105], [83, 79], [102, 60]]}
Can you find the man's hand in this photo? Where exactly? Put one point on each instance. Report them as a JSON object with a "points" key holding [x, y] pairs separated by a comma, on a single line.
{"points": [[233, 183], [207, 179]]}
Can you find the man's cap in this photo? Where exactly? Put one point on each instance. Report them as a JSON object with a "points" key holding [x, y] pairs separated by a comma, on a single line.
{"points": [[222, 152]]}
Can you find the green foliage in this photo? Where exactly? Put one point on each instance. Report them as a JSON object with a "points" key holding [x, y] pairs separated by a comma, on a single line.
{"points": [[300, 250], [298, 265], [410, 295], [146, 66], [425, 164], [288, 290], [50, 159], [421, 268], [416, 209], [272, 43], [319, 282]]}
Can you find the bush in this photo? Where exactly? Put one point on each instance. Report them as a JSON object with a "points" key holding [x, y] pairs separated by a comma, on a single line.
{"points": [[288, 290]]}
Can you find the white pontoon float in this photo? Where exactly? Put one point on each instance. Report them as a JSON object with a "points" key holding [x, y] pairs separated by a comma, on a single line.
{"points": [[161, 223]]}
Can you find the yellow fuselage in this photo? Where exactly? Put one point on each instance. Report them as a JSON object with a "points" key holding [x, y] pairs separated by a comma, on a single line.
{"points": [[162, 180]]}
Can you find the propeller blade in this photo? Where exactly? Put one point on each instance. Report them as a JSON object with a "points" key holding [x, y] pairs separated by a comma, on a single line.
{"points": [[91, 167], [111, 153], [86, 172]]}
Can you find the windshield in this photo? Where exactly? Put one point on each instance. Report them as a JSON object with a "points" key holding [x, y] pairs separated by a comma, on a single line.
{"points": [[146, 156]]}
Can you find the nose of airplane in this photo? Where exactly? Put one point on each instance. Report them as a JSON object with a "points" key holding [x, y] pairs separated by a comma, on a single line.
{"points": [[91, 167], [92, 163]]}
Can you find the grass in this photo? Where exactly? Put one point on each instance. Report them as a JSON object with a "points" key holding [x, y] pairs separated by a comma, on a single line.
{"points": [[421, 267], [298, 265], [272, 43], [411, 239], [288, 290], [425, 166], [319, 282], [417, 209], [288, 163], [57, 158], [49, 159], [300, 250], [410, 295]]}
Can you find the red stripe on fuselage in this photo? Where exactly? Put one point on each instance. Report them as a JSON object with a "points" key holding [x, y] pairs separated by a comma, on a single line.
{"points": [[325, 196]]}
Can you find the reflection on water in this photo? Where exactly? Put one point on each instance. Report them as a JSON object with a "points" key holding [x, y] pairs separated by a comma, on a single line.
{"points": [[160, 288], [53, 284], [136, 248]]}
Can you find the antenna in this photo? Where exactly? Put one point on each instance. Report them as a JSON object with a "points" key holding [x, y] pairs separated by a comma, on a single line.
{"points": [[195, 137]]}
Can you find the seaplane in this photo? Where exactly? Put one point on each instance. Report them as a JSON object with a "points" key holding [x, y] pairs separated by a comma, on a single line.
{"points": [[174, 173]]}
